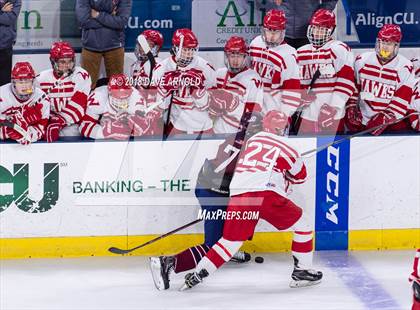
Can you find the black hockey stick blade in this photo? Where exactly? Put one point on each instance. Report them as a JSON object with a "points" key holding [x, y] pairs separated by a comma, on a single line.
{"points": [[7, 123], [122, 251]]}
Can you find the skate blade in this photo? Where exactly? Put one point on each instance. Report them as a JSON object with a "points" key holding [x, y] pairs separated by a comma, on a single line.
{"points": [[303, 283], [184, 287], [155, 269]]}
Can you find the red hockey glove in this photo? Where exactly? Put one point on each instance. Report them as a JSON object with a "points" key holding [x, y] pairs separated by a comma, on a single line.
{"points": [[139, 125], [14, 135], [32, 114], [116, 129], [382, 118], [414, 119], [222, 101], [193, 79], [353, 118], [55, 125], [171, 81], [19, 120], [326, 116]]}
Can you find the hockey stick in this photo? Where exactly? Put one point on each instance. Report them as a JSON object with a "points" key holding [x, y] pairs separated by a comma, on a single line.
{"points": [[121, 251], [146, 49], [321, 148], [299, 110]]}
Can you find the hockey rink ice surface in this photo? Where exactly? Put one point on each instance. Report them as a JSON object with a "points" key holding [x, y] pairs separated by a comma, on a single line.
{"points": [[352, 280]]}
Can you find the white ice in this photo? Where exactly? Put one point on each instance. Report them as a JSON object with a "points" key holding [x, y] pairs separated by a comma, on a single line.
{"points": [[352, 280]]}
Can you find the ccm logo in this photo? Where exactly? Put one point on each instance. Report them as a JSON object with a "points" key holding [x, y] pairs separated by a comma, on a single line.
{"points": [[333, 158]]}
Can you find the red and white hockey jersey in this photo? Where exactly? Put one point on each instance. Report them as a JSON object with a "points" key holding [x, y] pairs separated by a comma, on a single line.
{"points": [[69, 97], [415, 107], [335, 85], [279, 73], [188, 114], [416, 66], [9, 105], [99, 106], [380, 87], [247, 87], [415, 275], [267, 163]]}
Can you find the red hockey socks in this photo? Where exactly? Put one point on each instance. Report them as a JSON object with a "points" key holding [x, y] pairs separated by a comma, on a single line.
{"points": [[189, 258]]}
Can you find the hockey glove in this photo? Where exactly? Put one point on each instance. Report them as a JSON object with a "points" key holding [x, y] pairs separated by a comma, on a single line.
{"points": [[382, 118], [414, 119], [326, 116], [139, 125], [32, 114], [115, 129], [307, 98], [222, 101], [353, 118], [55, 125]]}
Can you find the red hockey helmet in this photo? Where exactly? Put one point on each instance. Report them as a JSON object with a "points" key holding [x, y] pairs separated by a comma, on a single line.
{"points": [[154, 39], [388, 42], [275, 20], [119, 90], [184, 46], [62, 58], [274, 28], [275, 122], [321, 27], [236, 54], [23, 76]]}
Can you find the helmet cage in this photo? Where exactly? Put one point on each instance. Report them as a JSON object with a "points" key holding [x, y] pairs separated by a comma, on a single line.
{"points": [[245, 63], [181, 60], [318, 35]]}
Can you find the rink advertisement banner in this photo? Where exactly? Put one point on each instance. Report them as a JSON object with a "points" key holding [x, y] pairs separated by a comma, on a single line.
{"points": [[109, 188], [332, 195], [42, 22], [359, 21], [224, 19]]}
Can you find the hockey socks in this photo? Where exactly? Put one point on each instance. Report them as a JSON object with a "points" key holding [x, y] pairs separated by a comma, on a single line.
{"points": [[189, 258], [219, 254], [302, 247]]}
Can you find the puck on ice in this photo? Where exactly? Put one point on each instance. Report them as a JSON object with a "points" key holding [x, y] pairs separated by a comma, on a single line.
{"points": [[259, 259]]}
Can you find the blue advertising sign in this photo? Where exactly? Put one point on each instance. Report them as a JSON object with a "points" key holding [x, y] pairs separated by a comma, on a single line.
{"points": [[165, 16], [332, 195], [363, 19]]}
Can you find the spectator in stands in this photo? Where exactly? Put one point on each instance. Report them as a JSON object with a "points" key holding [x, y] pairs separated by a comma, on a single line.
{"points": [[103, 23], [9, 13], [298, 14]]}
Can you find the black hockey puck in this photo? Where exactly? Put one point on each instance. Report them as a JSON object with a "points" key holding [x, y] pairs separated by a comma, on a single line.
{"points": [[259, 259]]}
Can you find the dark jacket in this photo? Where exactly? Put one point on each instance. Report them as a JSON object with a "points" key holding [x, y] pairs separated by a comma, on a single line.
{"points": [[8, 21], [106, 32], [299, 13]]}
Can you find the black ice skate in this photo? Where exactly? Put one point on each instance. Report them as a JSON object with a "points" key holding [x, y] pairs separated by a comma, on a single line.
{"points": [[193, 278], [304, 277], [416, 290], [241, 257], [161, 267]]}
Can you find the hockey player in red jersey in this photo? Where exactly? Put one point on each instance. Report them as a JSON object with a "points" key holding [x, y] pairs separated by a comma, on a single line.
{"points": [[68, 87], [183, 80], [414, 109], [142, 68], [384, 85], [323, 106], [275, 62], [142, 75], [415, 278], [212, 191], [266, 167], [23, 105], [238, 90], [114, 112]]}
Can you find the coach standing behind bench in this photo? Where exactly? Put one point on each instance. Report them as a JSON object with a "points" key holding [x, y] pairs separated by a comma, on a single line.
{"points": [[103, 23], [9, 12]]}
